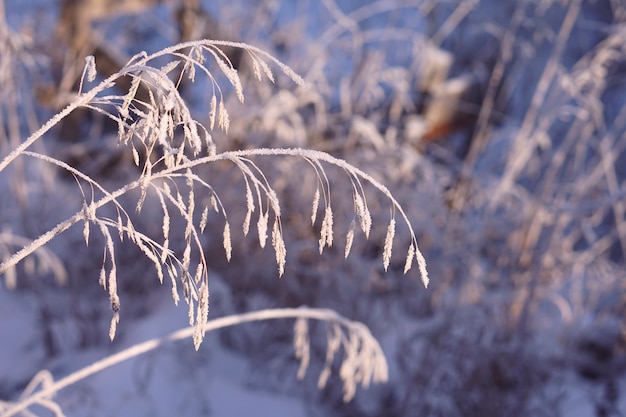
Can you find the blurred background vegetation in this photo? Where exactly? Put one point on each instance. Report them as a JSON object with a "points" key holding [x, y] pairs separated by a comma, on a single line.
{"points": [[500, 126]]}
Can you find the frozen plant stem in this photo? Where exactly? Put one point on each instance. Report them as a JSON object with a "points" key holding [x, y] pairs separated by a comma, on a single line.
{"points": [[302, 313]]}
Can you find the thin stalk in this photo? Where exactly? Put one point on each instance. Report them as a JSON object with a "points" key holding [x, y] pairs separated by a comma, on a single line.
{"points": [[141, 348]]}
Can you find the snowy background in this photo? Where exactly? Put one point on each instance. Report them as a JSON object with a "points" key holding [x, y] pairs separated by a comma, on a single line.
{"points": [[500, 128]]}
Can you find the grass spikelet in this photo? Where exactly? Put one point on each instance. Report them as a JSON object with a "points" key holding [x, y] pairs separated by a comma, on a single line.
{"points": [[190, 68], [86, 232], [169, 101], [120, 227], [286, 69], [170, 125], [169, 159], [172, 276], [199, 273], [256, 70], [409, 258], [89, 215], [113, 327], [326, 233], [103, 278], [135, 155], [165, 250], [202, 315], [167, 68], [279, 247], [227, 243], [204, 218], [130, 232], [128, 98], [142, 197], [121, 132], [391, 231], [250, 209], [196, 54], [115, 302], [166, 219], [262, 228], [159, 268], [89, 71], [212, 149], [191, 315], [232, 76], [191, 205], [213, 201], [363, 213], [90, 68], [113, 288], [421, 262], [112, 282], [249, 197], [186, 259], [316, 203], [246, 223], [163, 130], [275, 202], [191, 135], [267, 70], [349, 240]]}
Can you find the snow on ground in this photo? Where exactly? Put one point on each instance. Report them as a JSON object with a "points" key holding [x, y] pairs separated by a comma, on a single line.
{"points": [[20, 348], [172, 380]]}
